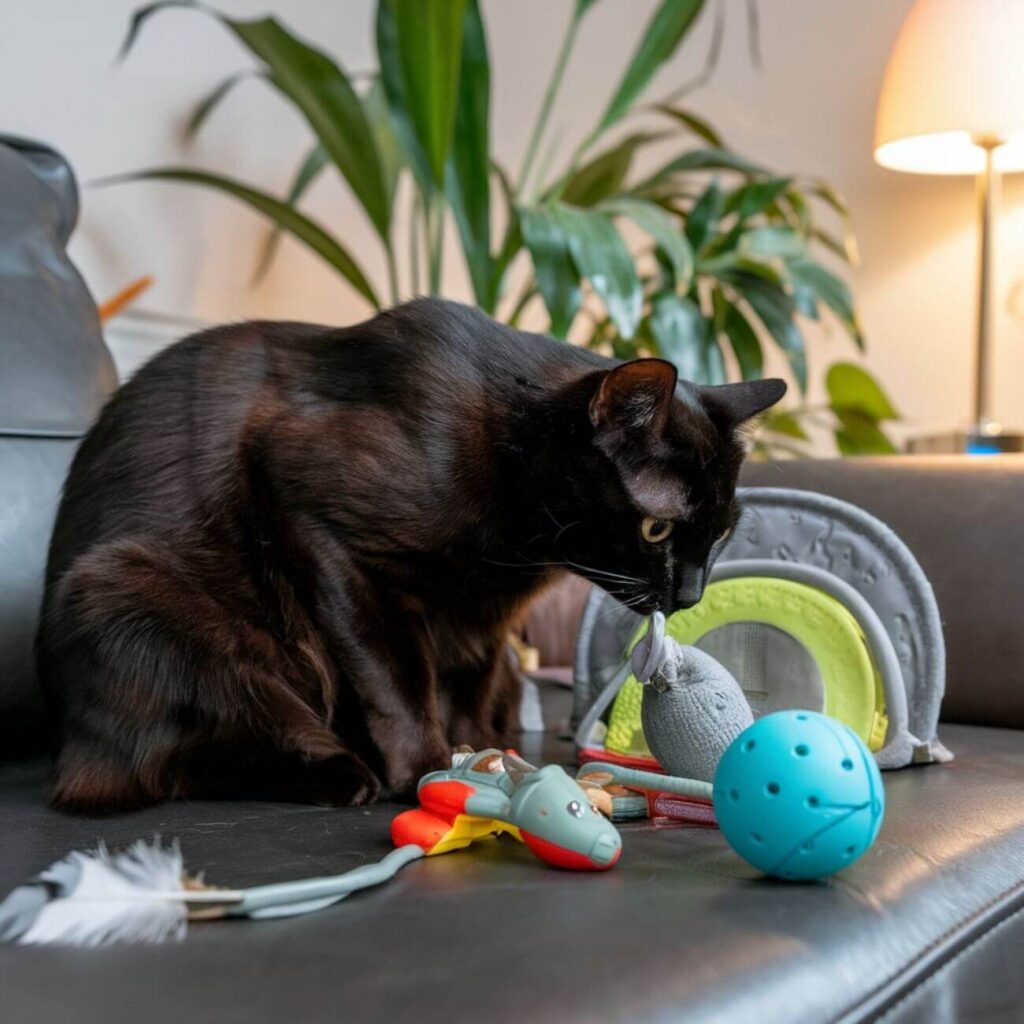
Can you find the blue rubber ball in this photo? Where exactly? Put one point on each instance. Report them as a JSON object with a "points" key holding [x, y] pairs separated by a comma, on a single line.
{"points": [[798, 795]]}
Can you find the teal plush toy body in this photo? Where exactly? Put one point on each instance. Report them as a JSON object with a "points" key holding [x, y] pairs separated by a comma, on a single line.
{"points": [[799, 795]]}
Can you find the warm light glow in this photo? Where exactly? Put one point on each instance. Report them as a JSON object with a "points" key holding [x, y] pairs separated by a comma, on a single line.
{"points": [[948, 153], [956, 74]]}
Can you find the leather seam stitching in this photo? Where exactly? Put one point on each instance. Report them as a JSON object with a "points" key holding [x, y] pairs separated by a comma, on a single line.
{"points": [[1008, 899], [949, 963]]}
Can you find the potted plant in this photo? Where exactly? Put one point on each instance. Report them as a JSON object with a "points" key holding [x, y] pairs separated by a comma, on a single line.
{"points": [[731, 258]]}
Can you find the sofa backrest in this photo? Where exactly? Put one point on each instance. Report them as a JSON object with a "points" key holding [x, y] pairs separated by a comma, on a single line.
{"points": [[961, 517], [55, 374]]}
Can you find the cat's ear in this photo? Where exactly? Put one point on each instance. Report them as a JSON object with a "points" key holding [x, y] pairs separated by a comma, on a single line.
{"points": [[635, 394], [733, 404]]}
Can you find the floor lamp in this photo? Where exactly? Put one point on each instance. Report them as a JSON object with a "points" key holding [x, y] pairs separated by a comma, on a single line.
{"points": [[953, 103]]}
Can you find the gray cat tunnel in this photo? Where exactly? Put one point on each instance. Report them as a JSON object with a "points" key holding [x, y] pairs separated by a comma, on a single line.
{"points": [[847, 578]]}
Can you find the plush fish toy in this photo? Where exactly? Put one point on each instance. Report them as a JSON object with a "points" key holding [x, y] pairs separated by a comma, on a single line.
{"points": [[143, 894]]}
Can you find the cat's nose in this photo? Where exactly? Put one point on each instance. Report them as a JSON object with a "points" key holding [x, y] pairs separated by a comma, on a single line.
{"points": [[690, 590]]}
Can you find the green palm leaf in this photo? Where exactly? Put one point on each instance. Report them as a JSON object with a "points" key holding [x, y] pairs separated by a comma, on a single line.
{"points": [[428, 35], [743, 339], [605, 173], [650, 218], [776, 310], [309, 170], [685, 337], [664, 32], [320, 90], [832, 290], [553, 267], [602, 258], [468, 178], [206, 106], [304, 229]]}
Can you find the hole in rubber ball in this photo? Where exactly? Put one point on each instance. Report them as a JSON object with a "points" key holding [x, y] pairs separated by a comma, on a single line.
{"points": [[847, 764], [734, 795], [849, 851], [807, 846], [748, 746], [801, 718], [772, 789], [757, 837], [813, 801], [801, 750]]}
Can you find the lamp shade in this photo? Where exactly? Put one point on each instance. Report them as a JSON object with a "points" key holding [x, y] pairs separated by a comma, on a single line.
{"points": [[956, 75]]}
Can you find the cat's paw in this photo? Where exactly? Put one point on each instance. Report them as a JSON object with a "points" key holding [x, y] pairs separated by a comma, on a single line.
{"points": [[466, 732], [342, 781], [404, 781]]}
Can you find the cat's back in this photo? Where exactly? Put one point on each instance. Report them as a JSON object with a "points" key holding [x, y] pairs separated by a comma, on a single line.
{"points": [[168, 442], [461, 343], [169, 436]]}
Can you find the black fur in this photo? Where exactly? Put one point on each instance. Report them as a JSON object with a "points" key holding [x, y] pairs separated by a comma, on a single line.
{"points": [[288, 556]]}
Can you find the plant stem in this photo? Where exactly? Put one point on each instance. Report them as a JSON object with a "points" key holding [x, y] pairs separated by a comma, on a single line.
{"points": [[556, 190], [414, 245], [549, 101], [710, 62], [529, 291], [435, 239], [392, 274]]}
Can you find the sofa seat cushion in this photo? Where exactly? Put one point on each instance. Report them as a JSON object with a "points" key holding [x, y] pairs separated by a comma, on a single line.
{"points": [[681, 929]]}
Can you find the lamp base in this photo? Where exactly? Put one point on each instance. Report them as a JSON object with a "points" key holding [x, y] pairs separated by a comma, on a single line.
{"points": [[986, 438]]}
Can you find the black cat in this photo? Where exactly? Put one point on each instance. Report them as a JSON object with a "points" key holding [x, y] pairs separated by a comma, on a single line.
{"points": [[287, 556]]}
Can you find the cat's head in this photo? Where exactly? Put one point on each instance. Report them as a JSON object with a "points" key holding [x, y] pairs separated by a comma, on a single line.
{"points": [[651, 481]]}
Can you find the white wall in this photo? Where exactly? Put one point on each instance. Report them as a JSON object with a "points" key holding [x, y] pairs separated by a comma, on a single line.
{"points": [[811, 110]]}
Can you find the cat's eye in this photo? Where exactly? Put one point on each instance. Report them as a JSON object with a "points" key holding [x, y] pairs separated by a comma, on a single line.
{"points": [[654, 531]]}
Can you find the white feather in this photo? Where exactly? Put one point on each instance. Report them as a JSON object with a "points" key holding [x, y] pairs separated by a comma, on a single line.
{"points": [[101, 898]]}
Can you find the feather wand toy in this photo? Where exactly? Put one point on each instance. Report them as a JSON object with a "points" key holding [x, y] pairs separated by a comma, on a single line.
{"points": [[143, 894]]}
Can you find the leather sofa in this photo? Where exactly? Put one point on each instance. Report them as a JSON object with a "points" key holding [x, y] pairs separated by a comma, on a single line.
{"points": [[927, 927], [55, 374]]}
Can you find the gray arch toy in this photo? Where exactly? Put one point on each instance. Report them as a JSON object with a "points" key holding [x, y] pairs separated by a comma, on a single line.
{"points": [[838, 548]]}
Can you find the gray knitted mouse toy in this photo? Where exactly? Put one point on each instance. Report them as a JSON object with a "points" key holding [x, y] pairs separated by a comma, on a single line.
{"points": [[693, 708]]}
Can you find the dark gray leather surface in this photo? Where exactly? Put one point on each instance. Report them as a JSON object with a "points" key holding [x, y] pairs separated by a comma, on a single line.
{"points": [[32, 471], [55, 373], [977, 983], [963, 517], [56, 370], [680, 930]]}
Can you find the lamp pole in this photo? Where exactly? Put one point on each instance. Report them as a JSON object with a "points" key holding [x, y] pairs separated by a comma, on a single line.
{"points": [[987, 201]]}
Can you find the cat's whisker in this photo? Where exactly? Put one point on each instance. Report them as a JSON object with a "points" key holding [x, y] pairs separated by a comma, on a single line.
{"points": [[568, 526], [606, 573], [523, 565], [551, 515]]}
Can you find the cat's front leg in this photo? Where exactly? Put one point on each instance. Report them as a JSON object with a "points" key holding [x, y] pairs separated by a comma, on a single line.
{"points": [[397, 698], [483, 696], [389, 681]]}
